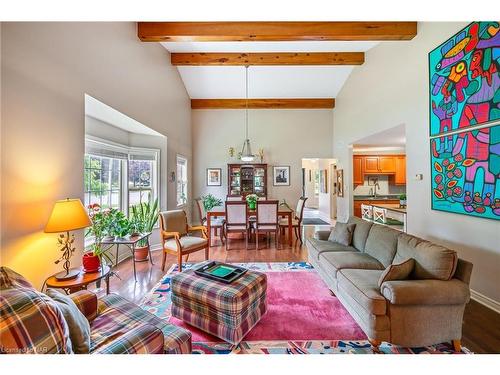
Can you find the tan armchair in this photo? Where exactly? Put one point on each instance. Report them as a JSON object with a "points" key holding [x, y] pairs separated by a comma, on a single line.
{"points": [[175, 238]]}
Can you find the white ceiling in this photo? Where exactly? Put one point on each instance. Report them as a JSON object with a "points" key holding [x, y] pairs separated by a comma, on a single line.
{"points": [[228, 82]]}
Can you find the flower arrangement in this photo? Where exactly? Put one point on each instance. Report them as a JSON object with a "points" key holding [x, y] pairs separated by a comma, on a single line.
{"points": [[210, 201], [99, 229]]}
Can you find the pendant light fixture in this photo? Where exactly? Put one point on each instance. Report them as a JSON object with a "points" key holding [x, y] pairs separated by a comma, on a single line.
{"points": [[246, 151]]}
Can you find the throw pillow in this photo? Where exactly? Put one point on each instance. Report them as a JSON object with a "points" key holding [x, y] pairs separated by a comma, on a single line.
{"points": [[79, 327], [400, 271], [342, 233]]}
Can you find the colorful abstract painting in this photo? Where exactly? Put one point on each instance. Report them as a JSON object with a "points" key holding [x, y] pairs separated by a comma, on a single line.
{"points": [[464, 80], [466, 181]]}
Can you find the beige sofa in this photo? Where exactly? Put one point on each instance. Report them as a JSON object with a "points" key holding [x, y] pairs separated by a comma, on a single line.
{"points": [[423, 310]]}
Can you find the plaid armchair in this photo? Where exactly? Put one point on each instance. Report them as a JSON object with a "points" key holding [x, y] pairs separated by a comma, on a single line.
{"points": [[31, 322]]}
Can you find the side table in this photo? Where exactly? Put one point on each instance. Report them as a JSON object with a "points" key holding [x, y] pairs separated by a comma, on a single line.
{"points": [[81, 281]]}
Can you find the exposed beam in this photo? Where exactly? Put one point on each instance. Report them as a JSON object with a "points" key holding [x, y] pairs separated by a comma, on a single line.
{"points": [[263, 103], [274, 31], [274, 58]]}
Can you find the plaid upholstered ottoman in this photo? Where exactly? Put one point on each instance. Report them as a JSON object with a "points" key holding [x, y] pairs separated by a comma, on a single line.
{"points": [[228, 311]]}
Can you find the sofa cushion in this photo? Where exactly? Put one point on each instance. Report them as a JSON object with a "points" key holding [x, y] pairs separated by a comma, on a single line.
{"points": [[360, 232], [341, 260], [316, 247], [362, 286], [342, 234], [31, 321], [117, 317], [399, 271], [431, 261], [382, 243], [79, 327]]}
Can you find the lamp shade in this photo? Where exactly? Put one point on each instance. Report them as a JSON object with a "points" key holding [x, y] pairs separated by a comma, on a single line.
{"points": [[67, 214]]}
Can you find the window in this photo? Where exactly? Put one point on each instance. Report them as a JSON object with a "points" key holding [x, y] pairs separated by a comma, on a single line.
{"points": [[118, 176], [182, 182], [102, 178]]}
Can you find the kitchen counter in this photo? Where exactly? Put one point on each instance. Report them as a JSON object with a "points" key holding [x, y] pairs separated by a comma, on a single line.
{"points": [[376, 198]]}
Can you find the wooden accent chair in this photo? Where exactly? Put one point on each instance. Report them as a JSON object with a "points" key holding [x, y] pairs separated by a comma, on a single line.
{"points": [[236, 220], [267, 221], [216, 223], [297, 220], [175, 238]]}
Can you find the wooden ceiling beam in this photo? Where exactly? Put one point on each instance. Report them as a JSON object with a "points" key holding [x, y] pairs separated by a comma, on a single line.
{"points": [[274, 58], [323, 103], [274, 31]]}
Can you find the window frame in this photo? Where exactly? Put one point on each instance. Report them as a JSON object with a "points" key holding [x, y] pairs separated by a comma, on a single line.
{"points": [[177, 158], [111, 146]]}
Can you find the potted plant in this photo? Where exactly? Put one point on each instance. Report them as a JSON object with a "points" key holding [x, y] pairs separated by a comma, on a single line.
{"points": [[119, 225], [143, 219], [98, 230], [402, 200], [209, 202], [252, 201]]}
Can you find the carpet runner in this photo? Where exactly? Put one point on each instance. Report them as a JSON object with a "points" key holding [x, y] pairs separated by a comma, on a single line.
{"points": [[302, 318]]}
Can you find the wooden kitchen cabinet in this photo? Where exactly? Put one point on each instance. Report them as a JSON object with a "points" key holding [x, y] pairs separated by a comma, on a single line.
{"points": [[357, 164], [387, 164], [370, 164], [400, 176]]}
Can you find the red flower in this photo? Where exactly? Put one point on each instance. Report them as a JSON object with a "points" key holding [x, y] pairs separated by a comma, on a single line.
{"points": [[449, 174], [458, 157], [458, 173], [438, 178], [449, 192], [446, 162]]}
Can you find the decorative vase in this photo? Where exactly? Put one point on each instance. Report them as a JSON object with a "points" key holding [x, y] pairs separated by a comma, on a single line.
{"points": [[91, 262], [402, 202], [141, 253], [251, 205]]}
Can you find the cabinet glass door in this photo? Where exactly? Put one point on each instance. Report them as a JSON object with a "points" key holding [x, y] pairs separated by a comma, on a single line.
{"points": [[235, 180], [259, 181]]}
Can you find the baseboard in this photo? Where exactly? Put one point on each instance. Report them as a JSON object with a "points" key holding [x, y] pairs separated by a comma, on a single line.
{"points": [[486, 301]]}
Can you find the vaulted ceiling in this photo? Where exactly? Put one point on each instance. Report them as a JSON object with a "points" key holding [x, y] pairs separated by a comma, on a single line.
{"points": [[297, 60]]}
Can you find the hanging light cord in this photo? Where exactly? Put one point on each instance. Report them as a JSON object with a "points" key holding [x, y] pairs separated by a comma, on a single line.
{"points": [[246, 102]]}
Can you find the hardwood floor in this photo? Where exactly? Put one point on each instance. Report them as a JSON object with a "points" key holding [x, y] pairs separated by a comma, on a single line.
{"points": [[481, 328]]}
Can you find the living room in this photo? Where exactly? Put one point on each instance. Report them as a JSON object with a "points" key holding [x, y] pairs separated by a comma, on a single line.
{"points": [[178, 154]]}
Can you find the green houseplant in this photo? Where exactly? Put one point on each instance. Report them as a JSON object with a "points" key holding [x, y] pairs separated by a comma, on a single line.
{"points": [[143, 219], [98, 230], [402, 200], [210, 201], [252, 201]]}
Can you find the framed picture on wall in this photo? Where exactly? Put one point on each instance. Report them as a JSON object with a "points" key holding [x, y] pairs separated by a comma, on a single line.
{"points": [[340, 182], [214, 176], [323, 181], [281, 176]]}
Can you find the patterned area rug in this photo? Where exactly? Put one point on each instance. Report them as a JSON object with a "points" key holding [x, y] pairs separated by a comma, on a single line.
{"points": [[294, 340]]}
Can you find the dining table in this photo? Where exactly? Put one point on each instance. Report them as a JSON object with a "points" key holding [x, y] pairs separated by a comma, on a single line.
{"points": [[283, 212]]}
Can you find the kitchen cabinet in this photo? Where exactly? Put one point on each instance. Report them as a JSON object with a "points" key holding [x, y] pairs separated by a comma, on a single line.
{"points": [[358, 177], [387, 164], [370, 164], [400, 176]]}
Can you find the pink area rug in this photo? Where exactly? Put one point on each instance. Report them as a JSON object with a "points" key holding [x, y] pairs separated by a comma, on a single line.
{"points": [[299, 307]]}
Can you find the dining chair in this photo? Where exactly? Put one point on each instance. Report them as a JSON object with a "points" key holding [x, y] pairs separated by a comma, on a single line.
{"points": [[234, 198], [236, 220], [216, 223], [297, 220], [380, 215], [267, 221], [175, 237]]}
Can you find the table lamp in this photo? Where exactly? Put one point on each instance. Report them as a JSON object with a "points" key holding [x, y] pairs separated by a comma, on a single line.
{"points": [[67, 215]]}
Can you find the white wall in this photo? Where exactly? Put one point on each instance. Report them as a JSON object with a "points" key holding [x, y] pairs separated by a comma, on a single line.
{"points": [[390, 89], [286, 136], [310, 166], [46, 69], [325, 199]]}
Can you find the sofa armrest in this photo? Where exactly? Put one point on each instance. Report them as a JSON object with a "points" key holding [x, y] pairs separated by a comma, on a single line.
{"points": [[426, 292], [143, 339], [322, 235], [86, 302]]}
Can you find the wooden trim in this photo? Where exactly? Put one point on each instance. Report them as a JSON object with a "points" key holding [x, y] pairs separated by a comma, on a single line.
{"points": [[287, 58], [274, 31], [263, 103]]}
